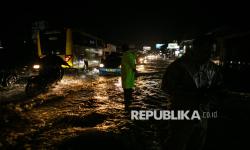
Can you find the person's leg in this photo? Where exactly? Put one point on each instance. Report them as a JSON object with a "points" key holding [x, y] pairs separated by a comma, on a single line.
{"points": [[127, 97], [179, 133], [198, 138], [130, 97]]}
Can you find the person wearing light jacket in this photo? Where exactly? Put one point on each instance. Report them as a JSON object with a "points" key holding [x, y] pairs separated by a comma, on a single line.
{"points": [[128, 70]]}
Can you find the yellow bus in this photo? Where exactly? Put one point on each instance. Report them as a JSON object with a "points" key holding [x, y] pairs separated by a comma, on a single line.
{"points": [[79, 49]]}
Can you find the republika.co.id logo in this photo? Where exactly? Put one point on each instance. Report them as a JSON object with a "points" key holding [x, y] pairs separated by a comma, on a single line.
{"points": [[171, 115]]}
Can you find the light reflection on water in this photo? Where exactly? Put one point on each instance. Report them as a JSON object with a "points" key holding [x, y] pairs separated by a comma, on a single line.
{"points": [[76, 97], [140, 68], [118, 84]]}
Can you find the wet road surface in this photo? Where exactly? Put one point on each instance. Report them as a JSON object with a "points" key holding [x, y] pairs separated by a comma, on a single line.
{"points": [[82, 111], [87, 112]]}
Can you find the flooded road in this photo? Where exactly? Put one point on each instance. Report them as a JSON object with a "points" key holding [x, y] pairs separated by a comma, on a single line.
{"points": [[87, 111], [83, 111]]}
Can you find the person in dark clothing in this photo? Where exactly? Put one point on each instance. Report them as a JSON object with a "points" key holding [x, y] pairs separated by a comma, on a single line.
{"points": [[51, 66], [192, 82], [53, 60], [86, 64]]}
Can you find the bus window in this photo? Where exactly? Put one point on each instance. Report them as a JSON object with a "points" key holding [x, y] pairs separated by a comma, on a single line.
{"points": [[80, 39], [53, 42]]}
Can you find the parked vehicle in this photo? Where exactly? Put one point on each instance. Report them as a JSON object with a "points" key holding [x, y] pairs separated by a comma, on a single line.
{"points": [[111, 65]]}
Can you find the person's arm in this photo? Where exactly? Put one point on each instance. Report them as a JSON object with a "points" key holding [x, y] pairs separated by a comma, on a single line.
{"points": [[132, 62], [60, 61], [66, 64]]}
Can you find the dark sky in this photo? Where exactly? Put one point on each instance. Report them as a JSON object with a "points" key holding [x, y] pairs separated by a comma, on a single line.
{"points": [[140, 22]]}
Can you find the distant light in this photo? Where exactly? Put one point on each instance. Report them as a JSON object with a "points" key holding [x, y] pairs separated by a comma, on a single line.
{"points": [[217, 62], [146, 48], [94, 61], [158, 46], [36, 66], [53, 38], [176, 53], [101, 65], [173, 46]]}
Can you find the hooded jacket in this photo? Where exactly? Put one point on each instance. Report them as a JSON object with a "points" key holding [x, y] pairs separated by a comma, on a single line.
{"points": [[128, 67]]}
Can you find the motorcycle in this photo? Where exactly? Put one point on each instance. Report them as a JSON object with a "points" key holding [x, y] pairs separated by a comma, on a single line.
{"points": [[41, 82]]}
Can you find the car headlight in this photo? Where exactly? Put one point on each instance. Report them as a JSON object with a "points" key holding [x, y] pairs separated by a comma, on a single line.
{"points": [[36, 66], [101, 65]]}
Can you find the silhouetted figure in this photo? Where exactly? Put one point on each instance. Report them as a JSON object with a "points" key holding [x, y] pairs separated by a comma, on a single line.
{"points": [[192, 81], [86, 64], [51, 65]]}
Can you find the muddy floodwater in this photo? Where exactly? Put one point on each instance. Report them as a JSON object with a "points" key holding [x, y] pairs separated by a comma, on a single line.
{"points": [[86, 111], [83, 111]]}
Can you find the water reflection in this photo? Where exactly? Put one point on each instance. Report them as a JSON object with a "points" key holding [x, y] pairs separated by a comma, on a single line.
{"points": [[77, 104]]}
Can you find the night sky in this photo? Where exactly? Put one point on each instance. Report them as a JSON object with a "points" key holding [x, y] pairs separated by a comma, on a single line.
{"points": [[140, 22]]}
